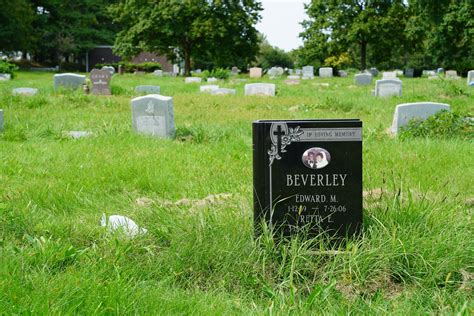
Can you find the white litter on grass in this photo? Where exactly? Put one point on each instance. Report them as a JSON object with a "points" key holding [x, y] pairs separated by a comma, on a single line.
{"points": [[119, 222]]}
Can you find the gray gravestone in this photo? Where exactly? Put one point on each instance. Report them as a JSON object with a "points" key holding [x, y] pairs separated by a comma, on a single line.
{"points": [[25, 91], [308, 72], [223, 91], [363, 79], [153, 115], [192, 80], [100, 80], [235, 70], [263, 89], [208, 88], [212, 79], [298, 72], [109, 69], [68, 80], [470, 77], [325, 72], [374, 72], [275, 72], [5, 77], [409, 72], [148, 89], [158, 73], [419, 110], [1, 120], [342, 73], [388, 87]]}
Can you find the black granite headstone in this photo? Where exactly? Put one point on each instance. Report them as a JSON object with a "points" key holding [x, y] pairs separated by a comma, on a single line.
{"points": [[308, 176]]}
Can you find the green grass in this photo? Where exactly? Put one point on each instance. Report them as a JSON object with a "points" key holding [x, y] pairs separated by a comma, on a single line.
{"points": [[416, 255]]}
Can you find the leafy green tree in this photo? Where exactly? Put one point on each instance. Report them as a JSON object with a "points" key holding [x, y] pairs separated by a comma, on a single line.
{"points": [[220, 31], [16, 30], [270, 56], [67, 28], [337, 26], [443, 32]]}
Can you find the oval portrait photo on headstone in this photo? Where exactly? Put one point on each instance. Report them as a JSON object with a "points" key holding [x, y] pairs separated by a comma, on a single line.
{"points": [[316, 158]]}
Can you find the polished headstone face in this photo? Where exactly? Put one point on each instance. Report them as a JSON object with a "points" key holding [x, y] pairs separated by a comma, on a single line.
{"points": [[325, 72], [1, 120], [263, 89], [363, 79], [148, 89], [418, 110], [409, 72], [388, 87], [100, 80], [69, 80], [308, 175], [223, 91], [25, 91], [153, 115], [255, 72]]}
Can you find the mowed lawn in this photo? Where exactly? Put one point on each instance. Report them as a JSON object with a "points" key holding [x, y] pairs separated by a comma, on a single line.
{"points": [[416, 254]]}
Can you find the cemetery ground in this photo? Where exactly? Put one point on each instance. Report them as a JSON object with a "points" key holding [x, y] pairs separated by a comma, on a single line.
{"points": [[194, 196]]}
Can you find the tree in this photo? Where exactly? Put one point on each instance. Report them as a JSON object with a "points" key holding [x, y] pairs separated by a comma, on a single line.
{"points": [[337, 26], [444, 32], [16, 30], [65, 28], [220, 31], [270, 56]]}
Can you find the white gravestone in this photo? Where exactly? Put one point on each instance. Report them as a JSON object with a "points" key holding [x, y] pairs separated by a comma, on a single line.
{"points": [[325, 72], [109, 69], [223, 91], [363, 79], [1, 120], [389, 75], [212, 79], [418, 110], [153, 115], [208, 88], [255, 72], [68, 80], [298, 72], [293, 77], [192, 80], [263, 89], [148, 89], [158, 73], [388, 87], [25, 91], [308, 72], [470, 77]]}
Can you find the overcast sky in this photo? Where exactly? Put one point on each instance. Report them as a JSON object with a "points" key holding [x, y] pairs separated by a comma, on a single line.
{"points": [[281, 22]]}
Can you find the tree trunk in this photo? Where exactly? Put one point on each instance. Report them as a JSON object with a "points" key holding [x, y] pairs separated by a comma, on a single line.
{"points": [[363, 56], [187, 62]]}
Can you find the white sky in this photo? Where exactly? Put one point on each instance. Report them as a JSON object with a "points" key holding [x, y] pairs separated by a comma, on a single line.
{"points": [[281, 22]]}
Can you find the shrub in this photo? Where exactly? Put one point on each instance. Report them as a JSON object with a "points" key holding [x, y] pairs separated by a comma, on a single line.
{"points": [[443, 124], [131, 67], [8, 68]]}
